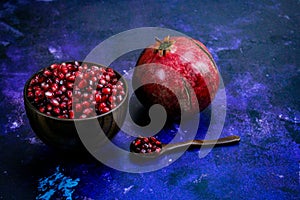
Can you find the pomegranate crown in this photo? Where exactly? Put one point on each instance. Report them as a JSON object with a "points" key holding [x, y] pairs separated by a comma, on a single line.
{"points": [[163, 46]]}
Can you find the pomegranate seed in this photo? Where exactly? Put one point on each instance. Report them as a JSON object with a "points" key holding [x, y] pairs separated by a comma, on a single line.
{"points": [[54, 87], [105, 110], [85, 67], [38, 93], [112, 99], [86, 76], [82, 116], [56, 110], [30, 95], [114, 91], [107, 77], [41, 79], [106, 90], [113, 105], [87, 111], [61, 76], [69, 85], [104, 98], [94, 79], [47, 73], [85, 95], [71, 78], [54, 66], [78, 107], [42, 109], [44, 86], [64, 69], [86, 104], [63, 88], [49, 107], [63, 105], [119, 98], [69, 94], [58, 93], [54, 102], [99, 86], [82, 84], [98, 98], [102, 82], [122, 92], [49, 94], [102, 105], [71, 114], [114, 81], [55, 72], [120, 87]]}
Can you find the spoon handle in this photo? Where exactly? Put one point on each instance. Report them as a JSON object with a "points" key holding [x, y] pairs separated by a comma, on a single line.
{"points": [[205, 143]]}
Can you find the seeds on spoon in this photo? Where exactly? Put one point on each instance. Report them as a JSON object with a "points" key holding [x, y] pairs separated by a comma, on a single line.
{"points": [[145, 145]]}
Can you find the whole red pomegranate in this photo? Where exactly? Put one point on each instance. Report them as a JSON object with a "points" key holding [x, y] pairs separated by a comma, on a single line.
{"points": [[179, 73]]}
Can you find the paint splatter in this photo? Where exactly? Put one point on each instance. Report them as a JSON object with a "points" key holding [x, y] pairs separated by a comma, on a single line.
{"points": [[56, 184]]}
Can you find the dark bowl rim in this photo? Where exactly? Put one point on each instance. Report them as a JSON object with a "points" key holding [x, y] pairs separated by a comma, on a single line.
{"points": [[27, 102]]}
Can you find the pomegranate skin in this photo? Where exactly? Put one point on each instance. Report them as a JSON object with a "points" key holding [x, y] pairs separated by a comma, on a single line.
{"points": [[182, 64]]}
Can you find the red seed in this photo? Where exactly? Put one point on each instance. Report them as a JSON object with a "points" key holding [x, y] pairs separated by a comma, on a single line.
{"points": [[71, 114], [87, 111], [138, 142], [105, 110], [112, 99], [71, 78], [49, 94], [54, 66], [78, 107], [98, 98], [47, 73], [94, 79], [69, 85], [119, 98], [102, 81], [86, 104], [85, 95], [44, 86], [69, 93], [54, 102], [38, 93], [102, 105], [42, 109], [114, 91], [63, 105], [113, 105], [106, 90], [30, 95], [82, 84], [61, 76], [82, 116], [56, 110], [63, 88], [64, 69], [49, 107], [54, 87]]}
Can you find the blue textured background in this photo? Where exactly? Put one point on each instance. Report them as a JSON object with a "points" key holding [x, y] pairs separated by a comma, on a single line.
{"points": [[256, 46]]}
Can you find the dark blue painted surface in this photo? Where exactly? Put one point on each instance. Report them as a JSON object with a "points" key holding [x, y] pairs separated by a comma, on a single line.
{"points": [[256, 47]]}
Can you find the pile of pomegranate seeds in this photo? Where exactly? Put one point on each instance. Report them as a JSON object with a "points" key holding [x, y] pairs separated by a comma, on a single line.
{"points": [[92, 89], [145, 145]]}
